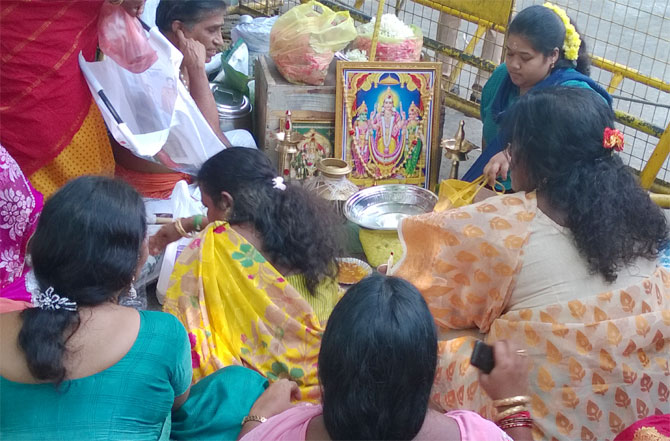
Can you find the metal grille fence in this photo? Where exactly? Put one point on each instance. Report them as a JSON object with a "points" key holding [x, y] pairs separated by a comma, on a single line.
{"points": [[631, 37]]}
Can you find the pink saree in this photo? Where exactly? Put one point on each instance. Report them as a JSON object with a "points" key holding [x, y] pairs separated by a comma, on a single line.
{"points": [[20, 206], [292, 424]]}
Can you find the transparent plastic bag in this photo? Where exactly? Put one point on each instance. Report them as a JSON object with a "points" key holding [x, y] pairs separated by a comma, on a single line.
{"points": [[392, 49], [122, 38], [304, 40]]}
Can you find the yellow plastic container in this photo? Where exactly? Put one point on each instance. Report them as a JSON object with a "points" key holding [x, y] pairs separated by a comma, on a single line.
{"points": [[378, 245]]}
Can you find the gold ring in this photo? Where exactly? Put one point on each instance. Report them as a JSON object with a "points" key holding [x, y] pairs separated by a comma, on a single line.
{"points": [[522, 352]]}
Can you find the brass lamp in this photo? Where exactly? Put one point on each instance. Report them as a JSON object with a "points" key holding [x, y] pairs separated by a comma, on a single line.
{"points": [[287, 147], [456, 149]]}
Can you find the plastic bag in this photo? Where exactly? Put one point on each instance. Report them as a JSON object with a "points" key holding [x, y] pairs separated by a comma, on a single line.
{"points": [[151, 113], [186, 202], [234, 68], [391, 49], [454, 193], [122, 38], [304, 40], [255, 32]]}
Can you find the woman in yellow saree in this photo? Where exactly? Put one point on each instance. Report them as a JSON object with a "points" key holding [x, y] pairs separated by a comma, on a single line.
{"points": [[256, 286], [566, 268]]}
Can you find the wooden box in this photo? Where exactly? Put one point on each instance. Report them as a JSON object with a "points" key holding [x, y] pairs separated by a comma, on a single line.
{"points": [[275, 95]]}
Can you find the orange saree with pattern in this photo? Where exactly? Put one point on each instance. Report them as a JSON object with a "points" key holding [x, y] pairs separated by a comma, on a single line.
{"points": [[598, 363]]}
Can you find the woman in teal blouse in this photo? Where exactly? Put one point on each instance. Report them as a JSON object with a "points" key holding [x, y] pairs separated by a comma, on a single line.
{"points": [[543, 49], [78, 366]]}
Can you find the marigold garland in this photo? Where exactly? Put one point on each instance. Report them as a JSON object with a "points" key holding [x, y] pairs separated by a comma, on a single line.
{"points": [[572, 41]]}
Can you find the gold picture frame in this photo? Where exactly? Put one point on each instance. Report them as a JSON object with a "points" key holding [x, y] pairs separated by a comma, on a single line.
{"points": [[387, 119]]}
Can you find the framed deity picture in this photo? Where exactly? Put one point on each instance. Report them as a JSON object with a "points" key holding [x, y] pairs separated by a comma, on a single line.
{"points": [[386, 122], [318, 143]]}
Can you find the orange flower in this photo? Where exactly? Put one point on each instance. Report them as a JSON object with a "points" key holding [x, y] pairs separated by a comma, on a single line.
{"points": [[613, 139]]}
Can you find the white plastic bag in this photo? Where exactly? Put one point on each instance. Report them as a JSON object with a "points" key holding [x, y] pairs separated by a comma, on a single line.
{"points": [[186, 202], [255, 32], [151, 113]]}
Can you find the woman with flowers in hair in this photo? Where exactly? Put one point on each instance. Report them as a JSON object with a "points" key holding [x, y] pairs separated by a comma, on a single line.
{"points": [[543, 48], [256, 286], [566, 267]]}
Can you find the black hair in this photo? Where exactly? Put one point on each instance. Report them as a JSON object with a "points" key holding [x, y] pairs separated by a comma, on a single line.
{"points": [[377, 362], [189, 12], [557, 137], [299, 230], [86, 247], [545, 30]]}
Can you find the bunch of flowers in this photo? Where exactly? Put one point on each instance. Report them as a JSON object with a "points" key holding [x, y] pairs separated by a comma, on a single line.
{"points": [[397, 41], [572, 41]]}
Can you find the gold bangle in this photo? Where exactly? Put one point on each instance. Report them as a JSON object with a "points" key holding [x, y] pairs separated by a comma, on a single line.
{"points": [[510, 411], [180, 228], [256, 418], [519, 399]]}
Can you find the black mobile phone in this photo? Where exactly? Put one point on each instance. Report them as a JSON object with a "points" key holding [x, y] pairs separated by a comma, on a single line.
{"points": [[482, 357]]}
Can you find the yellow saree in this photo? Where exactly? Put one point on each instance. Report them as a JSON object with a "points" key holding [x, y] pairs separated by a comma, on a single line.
{"points": [[239, 310], [598, 364]]}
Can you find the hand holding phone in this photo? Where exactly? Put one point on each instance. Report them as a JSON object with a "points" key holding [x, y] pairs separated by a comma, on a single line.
{"points": [[482, 357]]}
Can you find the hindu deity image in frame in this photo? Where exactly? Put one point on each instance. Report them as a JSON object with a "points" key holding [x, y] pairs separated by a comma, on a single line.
{"points": [[316, 145], [386, 122]]}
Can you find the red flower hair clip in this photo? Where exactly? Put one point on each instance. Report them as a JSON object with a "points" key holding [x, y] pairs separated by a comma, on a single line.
{"points": [[613, 139]]}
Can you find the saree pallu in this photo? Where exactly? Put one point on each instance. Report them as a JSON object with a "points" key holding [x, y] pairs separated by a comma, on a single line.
{"points": [[239, 310], [44, 99], [598, 364], [89, 153]]}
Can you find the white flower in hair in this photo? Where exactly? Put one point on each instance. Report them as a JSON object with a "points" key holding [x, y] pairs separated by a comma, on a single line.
{"points": [[278, 183]]}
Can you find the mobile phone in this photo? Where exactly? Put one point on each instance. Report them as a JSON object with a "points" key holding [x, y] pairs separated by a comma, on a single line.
{"points": [[482, 357]]}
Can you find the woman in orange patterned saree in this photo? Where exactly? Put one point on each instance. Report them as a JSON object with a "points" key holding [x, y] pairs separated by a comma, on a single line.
{"points": [[49, 122], [565, 267]]}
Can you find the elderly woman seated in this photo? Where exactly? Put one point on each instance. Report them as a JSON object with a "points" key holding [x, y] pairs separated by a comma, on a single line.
{"points": [[255, 287], [566, 267], [194, 27]]}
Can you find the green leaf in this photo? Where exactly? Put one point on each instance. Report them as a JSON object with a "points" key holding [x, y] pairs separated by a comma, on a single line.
{"points": [[258, 257], [246, 263], [271, 376], [245, 248], [237, 255], [245, 351], [296, 373], [279, 368]]}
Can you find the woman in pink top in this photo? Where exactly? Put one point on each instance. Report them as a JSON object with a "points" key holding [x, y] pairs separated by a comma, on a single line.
{"points": [[377, 363]]}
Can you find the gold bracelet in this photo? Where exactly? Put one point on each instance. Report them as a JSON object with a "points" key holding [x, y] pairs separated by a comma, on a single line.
{"points": [[519, 399], [510, 411], [256, 418], [180, 228]]}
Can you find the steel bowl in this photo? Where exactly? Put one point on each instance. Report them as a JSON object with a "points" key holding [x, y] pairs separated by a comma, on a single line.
{"points": [[384, 206]]}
